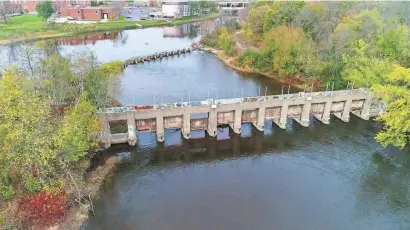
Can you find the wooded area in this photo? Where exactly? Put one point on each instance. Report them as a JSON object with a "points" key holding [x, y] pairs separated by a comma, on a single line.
{"points": [[48, 124]]}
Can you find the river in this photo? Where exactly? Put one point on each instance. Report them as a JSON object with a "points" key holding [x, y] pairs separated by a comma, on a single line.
{"points": [[323, 177]]}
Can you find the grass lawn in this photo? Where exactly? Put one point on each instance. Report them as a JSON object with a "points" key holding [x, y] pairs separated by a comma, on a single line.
{"points": [[20, 25], [30, 27], [25, 19]]}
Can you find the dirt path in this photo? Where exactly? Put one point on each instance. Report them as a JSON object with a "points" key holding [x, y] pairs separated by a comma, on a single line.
{"points": [[240, 45]]}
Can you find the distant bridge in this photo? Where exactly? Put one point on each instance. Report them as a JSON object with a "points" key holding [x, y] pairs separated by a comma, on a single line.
{"points": [[235, 111]]}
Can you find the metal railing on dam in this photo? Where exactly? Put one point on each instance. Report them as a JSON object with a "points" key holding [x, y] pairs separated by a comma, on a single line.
{"points": [[235, 111]]}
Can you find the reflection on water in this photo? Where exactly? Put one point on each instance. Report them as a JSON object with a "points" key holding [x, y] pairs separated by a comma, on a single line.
{"points": [[321, 177], [89, 39]]}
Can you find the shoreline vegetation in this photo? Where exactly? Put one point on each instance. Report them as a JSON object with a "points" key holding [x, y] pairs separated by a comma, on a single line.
{"points": [[232, 63], [32, 27], [48, 176]]}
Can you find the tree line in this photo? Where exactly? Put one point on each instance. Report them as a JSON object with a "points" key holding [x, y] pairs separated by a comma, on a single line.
{"points": [[365, 44]]}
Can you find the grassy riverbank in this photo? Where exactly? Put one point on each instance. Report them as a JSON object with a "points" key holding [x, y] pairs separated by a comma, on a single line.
{"points": [[32, 27]]}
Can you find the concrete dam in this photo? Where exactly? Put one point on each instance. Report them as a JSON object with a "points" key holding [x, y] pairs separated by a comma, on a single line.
{"points": [[235, 111]]}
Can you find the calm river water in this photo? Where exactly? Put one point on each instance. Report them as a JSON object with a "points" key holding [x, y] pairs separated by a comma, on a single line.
{"points": [[322, 177]]}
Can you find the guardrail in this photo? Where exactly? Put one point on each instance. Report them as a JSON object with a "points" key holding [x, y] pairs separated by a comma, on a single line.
{"points": [[231, 100]]}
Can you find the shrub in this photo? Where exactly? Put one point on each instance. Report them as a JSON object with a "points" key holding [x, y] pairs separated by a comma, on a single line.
{"points": [[7, 192], [32, 185], [254, 60], [209, 40], [248, 58], [43, 208]]}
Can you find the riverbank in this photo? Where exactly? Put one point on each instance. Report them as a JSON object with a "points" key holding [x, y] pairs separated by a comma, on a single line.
{"points": [[79, 213], [32, 28], [232, 63]]}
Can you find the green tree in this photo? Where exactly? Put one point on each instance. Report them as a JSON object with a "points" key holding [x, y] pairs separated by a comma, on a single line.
{"points": [[112, 68], [103, 84], [288, 51], [394, 45], [259, 20], [225, 40], [286, 12], [25, 121], [367, 26], [310, 17], [362, 70], [77, 131], [59, 81], [395, 92], [45, 9]]}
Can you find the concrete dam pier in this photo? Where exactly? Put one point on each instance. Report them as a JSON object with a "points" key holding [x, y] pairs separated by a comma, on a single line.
{"points": [[235, 111]]}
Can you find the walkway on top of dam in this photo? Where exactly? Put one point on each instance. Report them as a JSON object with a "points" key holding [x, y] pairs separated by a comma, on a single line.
{"points": [[211, 101]]}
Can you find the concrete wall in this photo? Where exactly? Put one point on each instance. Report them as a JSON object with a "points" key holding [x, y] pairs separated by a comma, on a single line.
{"points": [[146, 124], [199, 124], [272, 113], [225, 118], [337, 106], [295, 110], [277, 108], [317, 108], [174, 122], [249, 116]]}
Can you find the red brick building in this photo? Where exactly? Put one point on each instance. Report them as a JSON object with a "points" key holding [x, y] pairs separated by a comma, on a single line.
{"points": [[89, 13]]}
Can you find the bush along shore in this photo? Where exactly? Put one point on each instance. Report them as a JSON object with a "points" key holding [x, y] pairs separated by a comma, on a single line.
{"points": [[331, 45], [33, 27]]}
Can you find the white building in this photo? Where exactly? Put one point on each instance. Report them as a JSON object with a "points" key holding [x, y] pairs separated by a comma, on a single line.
{"points": [[175, 8]]}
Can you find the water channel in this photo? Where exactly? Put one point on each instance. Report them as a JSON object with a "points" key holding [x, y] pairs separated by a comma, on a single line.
{"points": [[323, 177]]}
